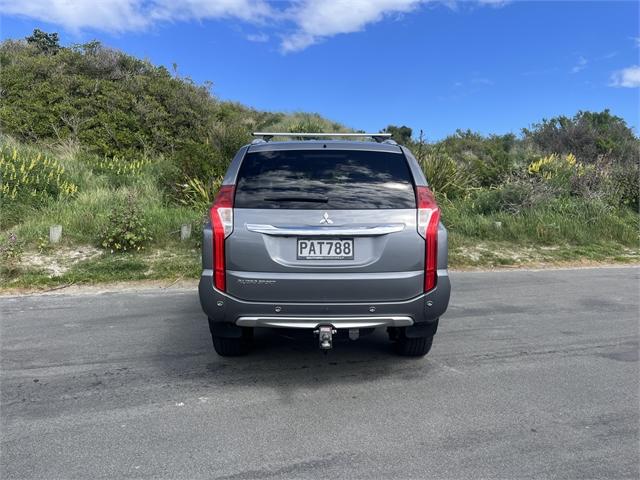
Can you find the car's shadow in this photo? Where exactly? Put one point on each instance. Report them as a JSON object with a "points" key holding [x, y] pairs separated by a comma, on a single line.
{"points": [[282, 359]]}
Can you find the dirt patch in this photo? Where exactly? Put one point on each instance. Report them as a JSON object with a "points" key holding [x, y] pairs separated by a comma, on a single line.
{"points": [[499, 254], [484, 256], [129, 286], [58, 261], [555, 265]]}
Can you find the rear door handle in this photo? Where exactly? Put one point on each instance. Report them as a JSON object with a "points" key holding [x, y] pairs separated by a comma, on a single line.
{"points": [[351, 230]]}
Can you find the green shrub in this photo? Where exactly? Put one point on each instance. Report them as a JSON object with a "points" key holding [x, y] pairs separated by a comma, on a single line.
{"points": [[489, 159], [511, 198], [198, 160], [126, 229], [227, 138], [11, 250], [622, 186], [43, 244]]}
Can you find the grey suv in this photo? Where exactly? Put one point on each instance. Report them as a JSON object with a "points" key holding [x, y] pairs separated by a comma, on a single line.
{"points": [[337, 237]]}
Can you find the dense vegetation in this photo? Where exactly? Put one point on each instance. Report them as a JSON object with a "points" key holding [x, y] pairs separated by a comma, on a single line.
{"points": [[121, 152]]}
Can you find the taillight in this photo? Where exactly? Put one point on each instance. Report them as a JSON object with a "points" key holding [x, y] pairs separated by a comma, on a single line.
{"points": [[222, 223], [428, 220]]}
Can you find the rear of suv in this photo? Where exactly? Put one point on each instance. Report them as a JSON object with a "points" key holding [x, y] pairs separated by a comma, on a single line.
{"points": [[336, 237]]}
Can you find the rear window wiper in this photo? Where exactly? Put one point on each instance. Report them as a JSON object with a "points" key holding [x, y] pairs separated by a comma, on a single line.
{"points": [[294, 198]]}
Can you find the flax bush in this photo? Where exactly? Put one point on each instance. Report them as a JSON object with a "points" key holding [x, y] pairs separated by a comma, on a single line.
{"points": [[197, 194], [444, 174]]}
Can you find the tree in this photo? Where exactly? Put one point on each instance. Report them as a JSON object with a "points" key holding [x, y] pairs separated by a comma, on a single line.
{"points": [[47, 43], [402, 134], [588, 135]]}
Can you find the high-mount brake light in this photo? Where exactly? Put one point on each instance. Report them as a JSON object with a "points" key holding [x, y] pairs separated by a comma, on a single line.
{"points": [[428, 220], [222, 223]]}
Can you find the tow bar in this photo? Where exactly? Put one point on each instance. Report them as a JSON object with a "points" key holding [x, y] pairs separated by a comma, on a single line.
{"points": [[325, 336]]}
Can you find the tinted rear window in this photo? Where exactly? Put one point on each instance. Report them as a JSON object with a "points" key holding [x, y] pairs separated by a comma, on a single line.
{"points": [[324, 179]]}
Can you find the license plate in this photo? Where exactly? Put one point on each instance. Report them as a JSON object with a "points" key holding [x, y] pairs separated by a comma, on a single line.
{"points": [[325, 249]]}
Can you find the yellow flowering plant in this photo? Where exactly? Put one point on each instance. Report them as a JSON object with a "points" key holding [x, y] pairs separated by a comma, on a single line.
{"points": [[557, 170], [554, 165], [119, 167], [32, 177]]}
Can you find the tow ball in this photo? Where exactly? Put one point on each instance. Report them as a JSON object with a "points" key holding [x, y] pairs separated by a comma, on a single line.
{"points": [[325, 336]]}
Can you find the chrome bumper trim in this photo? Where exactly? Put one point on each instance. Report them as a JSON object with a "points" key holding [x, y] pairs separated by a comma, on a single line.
{"points": [[337, 231], [313, 322]]}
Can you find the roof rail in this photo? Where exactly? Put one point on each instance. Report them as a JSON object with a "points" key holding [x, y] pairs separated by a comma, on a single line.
{"points": [[266, 136]]}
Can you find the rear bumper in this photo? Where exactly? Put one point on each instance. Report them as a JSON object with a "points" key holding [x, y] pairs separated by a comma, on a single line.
{"points": [[425, 308], [314, 322]]}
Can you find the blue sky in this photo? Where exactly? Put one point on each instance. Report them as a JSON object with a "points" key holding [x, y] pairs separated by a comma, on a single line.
{"points": [[489, 66]]}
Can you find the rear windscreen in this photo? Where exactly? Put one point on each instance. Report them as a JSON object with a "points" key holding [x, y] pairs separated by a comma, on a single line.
{"points": [[323, 180]]}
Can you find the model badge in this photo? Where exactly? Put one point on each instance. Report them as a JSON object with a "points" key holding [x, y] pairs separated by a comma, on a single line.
{"points": [[255, 281]]}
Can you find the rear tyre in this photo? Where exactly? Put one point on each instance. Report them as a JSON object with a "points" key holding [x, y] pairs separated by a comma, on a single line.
{"points": [[233, 347], [413, 347]]}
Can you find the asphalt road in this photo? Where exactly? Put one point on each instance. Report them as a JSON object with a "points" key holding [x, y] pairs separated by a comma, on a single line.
{"points": [[532, 374]]}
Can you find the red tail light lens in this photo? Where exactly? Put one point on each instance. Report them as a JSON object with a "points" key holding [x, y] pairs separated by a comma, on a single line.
{"points": [[222, 223], [428, 220]]}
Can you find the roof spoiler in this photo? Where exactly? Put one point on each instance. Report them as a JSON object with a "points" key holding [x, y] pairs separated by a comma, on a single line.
{"points": [[266, 136]]}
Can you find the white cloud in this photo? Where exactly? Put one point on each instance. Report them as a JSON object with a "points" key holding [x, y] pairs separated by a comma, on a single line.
{"points": [[320, 19], [111, 15], [581, 65], [258, 37], [627, 77], [131, 15], [183, 10]]}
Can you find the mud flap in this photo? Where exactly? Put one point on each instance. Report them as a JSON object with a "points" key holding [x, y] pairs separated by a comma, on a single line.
{"points": [[425, 329], [224, 329]]}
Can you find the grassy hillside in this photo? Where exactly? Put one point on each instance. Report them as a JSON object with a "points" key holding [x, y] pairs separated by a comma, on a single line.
{"points": [[121, 153]]}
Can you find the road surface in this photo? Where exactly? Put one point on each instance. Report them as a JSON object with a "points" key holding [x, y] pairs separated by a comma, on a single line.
{"points": [[532, 374]]}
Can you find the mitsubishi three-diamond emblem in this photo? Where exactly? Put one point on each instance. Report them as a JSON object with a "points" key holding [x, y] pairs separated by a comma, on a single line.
{"points": [[326, 219]]}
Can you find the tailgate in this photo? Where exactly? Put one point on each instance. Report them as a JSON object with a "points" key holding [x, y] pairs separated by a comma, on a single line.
{"points": [[264, 261]]}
